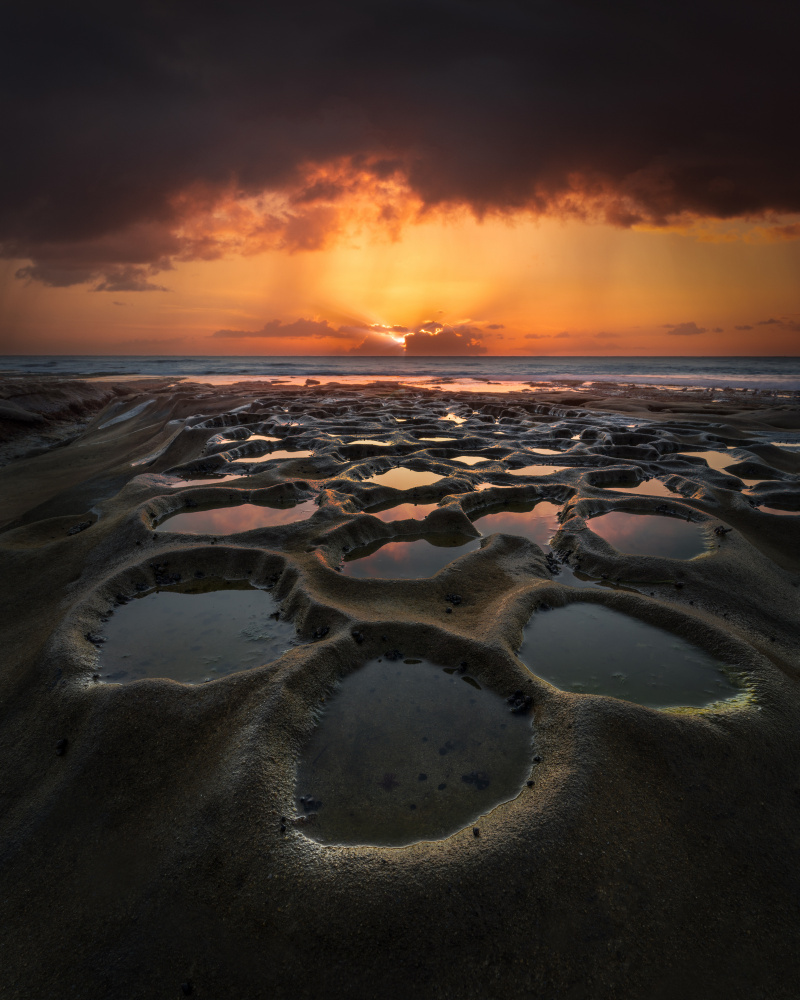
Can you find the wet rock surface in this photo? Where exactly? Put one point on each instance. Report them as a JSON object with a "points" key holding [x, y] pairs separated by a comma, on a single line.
{"points": [[167, 818]]}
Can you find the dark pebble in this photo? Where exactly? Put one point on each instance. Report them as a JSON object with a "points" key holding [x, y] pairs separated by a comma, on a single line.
{"points": [[186, 989], [476, 832], [357, 637], [422, 777], [320, 633], [480, 779], [537, 759], [519, 703], [61, 747], [529, 784], [454, 599], [442, 786], [448, 611], [412, 806]]}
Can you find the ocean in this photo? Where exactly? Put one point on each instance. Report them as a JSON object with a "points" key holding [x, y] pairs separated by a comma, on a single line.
{"points": [[764, 373]]}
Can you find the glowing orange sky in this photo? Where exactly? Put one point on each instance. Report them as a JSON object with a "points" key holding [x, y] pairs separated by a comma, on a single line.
{"points": [[526, 286]]}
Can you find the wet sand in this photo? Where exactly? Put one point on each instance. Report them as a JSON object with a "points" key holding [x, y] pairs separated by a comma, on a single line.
{"points": [[151, 838]]}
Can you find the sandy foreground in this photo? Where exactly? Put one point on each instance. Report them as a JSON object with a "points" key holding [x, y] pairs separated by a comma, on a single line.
{"points": [[150, 838]]}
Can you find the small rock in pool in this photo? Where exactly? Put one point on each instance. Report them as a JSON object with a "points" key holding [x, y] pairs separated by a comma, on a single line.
{"points": [[519, 703], [480, 779]]}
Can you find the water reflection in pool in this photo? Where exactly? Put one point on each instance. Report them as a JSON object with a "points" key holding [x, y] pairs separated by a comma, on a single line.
{"points": [[407, 751], [591, 649], [470, 459], [280, 453], [229, 520], [717, 460], [537, 521], [192, 637], [188, 480], [407, 560], [252, 437], [402, 511], [403, 478], [649, 487], [537, 470], [650, 534]]}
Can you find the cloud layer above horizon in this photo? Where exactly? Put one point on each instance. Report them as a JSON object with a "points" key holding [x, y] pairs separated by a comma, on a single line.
{"points": [[142, 136]]}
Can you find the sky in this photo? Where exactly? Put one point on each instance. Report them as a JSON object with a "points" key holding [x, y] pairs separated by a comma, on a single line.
{"points": [[435, 178]]}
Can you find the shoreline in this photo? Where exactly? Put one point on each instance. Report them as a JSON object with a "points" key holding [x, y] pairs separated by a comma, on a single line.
{"points": [[652, 847]]}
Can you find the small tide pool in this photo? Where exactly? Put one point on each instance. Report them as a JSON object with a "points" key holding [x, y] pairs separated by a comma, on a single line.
{"points": [[650, 534], [230, 520], [536, 521], [406, 750], [407, 558], [587, 648], [403, 511], [192, 637], [403, 478]]}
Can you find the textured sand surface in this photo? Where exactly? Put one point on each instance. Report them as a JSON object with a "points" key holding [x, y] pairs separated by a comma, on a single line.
{"points": [[159, 850]]}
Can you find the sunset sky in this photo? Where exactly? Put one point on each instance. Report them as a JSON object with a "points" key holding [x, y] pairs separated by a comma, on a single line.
{"points": [[427, 178]]}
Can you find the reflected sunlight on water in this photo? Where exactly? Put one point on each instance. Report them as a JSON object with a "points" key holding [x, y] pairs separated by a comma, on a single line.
{"points": [[650, 534]]}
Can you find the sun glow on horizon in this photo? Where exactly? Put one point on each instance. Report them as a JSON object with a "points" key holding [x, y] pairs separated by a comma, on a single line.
{"points": [[513, 285]]}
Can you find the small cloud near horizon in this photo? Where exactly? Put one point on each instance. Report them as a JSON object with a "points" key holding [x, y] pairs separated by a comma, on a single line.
{"points": [[684, 329], [300, 328]]}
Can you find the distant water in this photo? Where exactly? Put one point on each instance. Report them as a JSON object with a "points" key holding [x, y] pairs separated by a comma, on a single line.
{"points": [[734, 372]]}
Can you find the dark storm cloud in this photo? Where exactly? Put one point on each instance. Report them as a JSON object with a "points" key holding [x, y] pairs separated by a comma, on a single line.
{"points": [[123, 117], [375, 345], [434, 339]]}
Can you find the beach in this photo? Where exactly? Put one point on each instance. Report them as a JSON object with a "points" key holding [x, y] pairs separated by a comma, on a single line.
{"points": [[160, 834]]}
